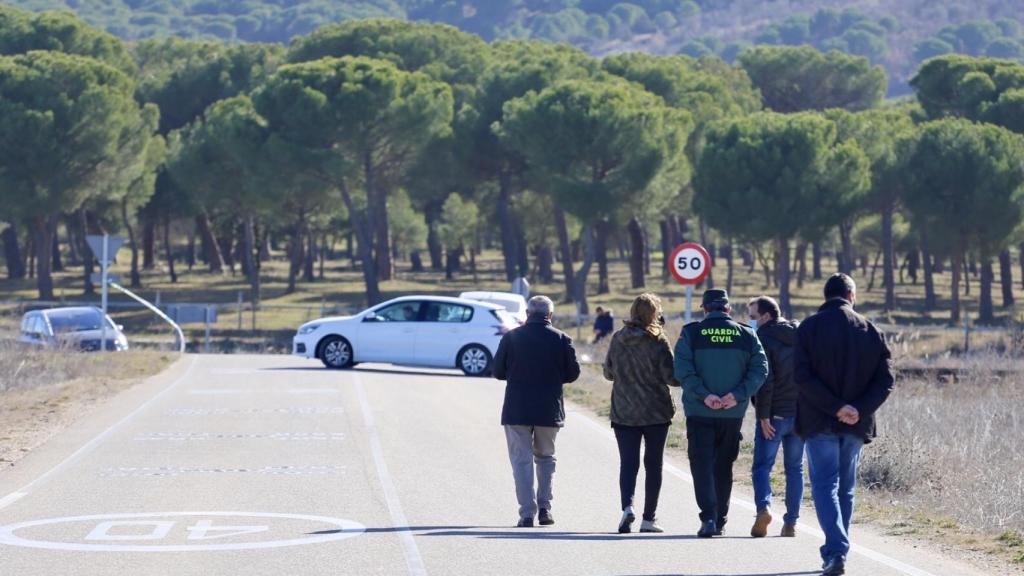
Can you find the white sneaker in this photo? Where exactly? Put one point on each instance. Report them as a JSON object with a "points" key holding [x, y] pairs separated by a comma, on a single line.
{"points": [[626, 523], [651, 526]]}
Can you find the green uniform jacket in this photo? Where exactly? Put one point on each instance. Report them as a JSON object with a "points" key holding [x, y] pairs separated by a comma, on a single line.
{"points": [[718, 356]]}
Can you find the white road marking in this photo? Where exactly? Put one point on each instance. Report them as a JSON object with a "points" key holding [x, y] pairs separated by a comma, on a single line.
{"points": [[862, 550], [91, 444], [11, 499], [413, 560], [342, 529]]}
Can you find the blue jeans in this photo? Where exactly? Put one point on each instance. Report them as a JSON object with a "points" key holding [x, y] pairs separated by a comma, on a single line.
{"points": [[832, 460], [765, 451]]}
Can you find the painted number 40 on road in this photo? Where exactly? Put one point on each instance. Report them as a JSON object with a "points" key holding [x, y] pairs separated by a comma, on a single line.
{"points": [[690, 263]]}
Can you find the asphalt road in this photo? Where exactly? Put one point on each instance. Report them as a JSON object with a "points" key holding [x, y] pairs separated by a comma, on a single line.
{"points": [[272, 465]]}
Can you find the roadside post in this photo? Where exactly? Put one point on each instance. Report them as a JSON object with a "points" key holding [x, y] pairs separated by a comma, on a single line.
{"points": [[104, 249], [690, 264]]}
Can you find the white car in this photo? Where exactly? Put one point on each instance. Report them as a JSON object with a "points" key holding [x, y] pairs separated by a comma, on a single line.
{"points": [[514, 303], [429, 331], [78, 328]]}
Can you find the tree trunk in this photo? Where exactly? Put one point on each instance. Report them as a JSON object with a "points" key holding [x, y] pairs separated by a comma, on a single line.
{"points": [[250, 259], [309, 274], [214, 254], [647, 250], [709, 282], [434, 243], [913, 263], [801, 264], [522, 250], [545, 264], [58, 263], [566, 253], [149, 243], [816, 260], [966, 277], [636, 254], [416, 260], [167, 250], [874, 270], [74, 253], [846, 245], [1006, 277], [90, 259], [135, 277], [385, 265], [782, 272], [888, 257], [958, 268], [666, 249], [360, 224], [264, 237], [43, 242], [295, 252], [323, 255], [30, 251], [729, 267], [580, 281], [986, 313], [929, 279], [601, 253], [509, 245], [12, 253], [240, 250], [452, 263]]}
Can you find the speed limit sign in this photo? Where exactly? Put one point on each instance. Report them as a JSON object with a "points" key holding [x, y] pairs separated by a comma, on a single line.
{"points": [[690, 263]]}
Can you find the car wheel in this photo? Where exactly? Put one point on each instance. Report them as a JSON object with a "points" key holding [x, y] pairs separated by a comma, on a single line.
{"points": [[336, 353], [474, 360]]}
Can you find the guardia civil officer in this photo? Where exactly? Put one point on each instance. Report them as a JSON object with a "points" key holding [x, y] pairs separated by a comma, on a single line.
{"points": [[720, 364]]}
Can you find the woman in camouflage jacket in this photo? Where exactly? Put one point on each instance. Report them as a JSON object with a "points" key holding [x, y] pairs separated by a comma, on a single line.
{"points": [[640, 366]]}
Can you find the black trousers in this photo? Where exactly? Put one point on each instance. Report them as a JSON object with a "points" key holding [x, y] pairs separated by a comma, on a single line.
{"points": [[629, 438], [713, 445]]}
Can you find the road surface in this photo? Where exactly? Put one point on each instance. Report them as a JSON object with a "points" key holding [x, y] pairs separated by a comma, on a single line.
{"points": [[272, 465]]}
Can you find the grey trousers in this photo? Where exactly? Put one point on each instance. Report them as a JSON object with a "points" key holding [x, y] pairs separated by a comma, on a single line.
{"points": [[528, 445]]}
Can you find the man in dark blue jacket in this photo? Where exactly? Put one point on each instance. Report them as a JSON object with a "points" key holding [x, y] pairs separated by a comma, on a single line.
{"points": [[843, 376], [536, 360]]}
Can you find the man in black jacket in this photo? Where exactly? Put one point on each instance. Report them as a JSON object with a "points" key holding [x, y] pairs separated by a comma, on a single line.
{"points": [[843, 376], [775, 408], [536, 359]]}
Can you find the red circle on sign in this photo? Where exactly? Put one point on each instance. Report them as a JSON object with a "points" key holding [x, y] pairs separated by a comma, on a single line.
{"points": [[690, 263]]}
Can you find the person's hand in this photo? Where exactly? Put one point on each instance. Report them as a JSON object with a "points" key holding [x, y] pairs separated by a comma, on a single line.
{"points": [[729, 401], [848, 415], [767, 429], [713, 402]]}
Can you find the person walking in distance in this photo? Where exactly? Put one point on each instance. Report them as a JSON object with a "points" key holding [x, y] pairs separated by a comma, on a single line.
{"points": [[843, 376], [720, 364], [775, 408], [535, 359], [639, 364]]}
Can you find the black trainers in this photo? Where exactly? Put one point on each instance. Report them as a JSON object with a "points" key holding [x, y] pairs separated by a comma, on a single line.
{"points": [[544, 517], [720, 526], [708, 529], [834, 567], [525, 523]]}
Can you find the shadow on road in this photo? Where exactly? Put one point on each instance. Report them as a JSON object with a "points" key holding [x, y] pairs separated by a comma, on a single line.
{"points": [[806, 572]]}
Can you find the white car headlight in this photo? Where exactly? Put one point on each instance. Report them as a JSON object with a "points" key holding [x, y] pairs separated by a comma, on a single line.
{"points": [[308, 329]]}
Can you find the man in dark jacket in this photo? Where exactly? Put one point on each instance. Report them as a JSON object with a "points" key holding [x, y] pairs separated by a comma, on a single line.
{"points": [[536, 359], [775, 408], [720, 364], [843, 376]]}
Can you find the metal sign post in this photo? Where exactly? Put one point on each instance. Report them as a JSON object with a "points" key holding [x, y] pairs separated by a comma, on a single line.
{"points": [[690, 264], [105, 247]]}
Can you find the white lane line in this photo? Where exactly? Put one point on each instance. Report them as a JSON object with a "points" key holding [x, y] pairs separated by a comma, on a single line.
{"points": [[11, 499], [862, 550], [413, 560], [91, 444]]}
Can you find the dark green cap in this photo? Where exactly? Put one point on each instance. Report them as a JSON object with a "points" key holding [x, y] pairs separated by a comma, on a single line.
{"points": [[715, 296]]}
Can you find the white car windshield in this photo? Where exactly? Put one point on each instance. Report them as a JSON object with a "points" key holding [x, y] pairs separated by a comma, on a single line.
{"points": [[76, 321]]}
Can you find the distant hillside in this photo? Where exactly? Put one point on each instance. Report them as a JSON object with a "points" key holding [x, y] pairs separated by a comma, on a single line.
{"points": [[896, 33]]}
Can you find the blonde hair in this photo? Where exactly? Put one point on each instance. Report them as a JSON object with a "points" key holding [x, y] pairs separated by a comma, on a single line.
{"points": [[644, 314]]}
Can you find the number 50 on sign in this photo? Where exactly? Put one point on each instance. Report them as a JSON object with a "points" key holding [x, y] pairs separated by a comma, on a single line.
{"points": [[690, 263]]}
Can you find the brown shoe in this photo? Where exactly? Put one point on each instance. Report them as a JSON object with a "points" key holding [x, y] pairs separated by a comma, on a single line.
{"points": [[760, 529], [788, 531]]}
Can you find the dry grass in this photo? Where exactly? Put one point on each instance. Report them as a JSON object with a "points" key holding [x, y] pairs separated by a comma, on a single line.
{"points": [[43, 392]]}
